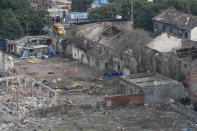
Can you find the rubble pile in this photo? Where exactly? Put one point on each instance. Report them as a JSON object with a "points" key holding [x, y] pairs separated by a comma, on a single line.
{"points": [[79, 102]]}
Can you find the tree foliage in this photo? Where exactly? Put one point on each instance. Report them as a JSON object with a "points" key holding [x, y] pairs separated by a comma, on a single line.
{"points": [[38, 19], [144, 11], [106, 11], [81, 5], [9, 25], [17, 17]]}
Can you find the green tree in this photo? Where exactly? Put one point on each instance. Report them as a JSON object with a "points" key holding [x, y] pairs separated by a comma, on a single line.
{"points": [[18, 16], [37, 20], [9, 25], [144, 11], [81, 5], [192, 7], [106, 11]]}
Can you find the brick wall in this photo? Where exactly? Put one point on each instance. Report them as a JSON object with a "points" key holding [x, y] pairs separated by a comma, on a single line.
{"points": [[59, 109], [123, 100]]}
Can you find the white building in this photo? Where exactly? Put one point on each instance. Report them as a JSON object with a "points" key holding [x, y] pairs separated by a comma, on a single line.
{"points": [[61, 13]]}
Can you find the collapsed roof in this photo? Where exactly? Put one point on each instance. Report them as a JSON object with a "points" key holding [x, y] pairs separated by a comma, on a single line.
{"points": [[101, 34], [165, 43], [176, 18]]}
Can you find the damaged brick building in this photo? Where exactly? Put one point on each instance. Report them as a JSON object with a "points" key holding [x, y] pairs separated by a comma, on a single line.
{"points": [[102, 38], [173, 52], [155, 87], [176, 23]]}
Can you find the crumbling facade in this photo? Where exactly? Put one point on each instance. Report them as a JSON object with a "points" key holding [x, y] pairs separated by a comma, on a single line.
{"points": [[176, 23], [155, 87], [34, 46], [102, 38], [6, 64]]}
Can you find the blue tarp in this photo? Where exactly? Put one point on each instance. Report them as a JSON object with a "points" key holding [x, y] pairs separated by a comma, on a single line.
{"points": [[114, 74], [2, 44], [50, 73], [45, 81], [2, 41], [106, 75], [52, 52]]}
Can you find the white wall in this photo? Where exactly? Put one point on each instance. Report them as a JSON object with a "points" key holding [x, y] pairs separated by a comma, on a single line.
{"points": [[77, 53], [85, 59], [18, 50], [194, 34], [150, 0], [126, 72], [6, 62], [92, 62]]}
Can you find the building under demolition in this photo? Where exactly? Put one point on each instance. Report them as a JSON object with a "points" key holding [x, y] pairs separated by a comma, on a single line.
{"points": [[176, 23], [102, 38], [173, 52], [156, 88], [34, 46]]}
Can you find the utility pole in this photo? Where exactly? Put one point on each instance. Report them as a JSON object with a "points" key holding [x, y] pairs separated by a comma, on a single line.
{"points": [[131, 17], [17, 106], [17, 93], [27, 30]]}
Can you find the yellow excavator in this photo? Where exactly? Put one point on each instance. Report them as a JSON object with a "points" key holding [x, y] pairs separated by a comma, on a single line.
{"points": [[58, 29]]}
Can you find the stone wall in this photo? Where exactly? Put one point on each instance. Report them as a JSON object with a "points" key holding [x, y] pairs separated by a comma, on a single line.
{"points": [[59, 109]]}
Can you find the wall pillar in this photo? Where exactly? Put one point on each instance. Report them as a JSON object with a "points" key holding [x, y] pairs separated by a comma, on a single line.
{"points": [[25, 83], [55, 99], [39, 87], [7, 83]]}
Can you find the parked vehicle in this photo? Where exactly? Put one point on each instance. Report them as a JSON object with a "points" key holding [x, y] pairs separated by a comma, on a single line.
{"points": [[59, 29]]}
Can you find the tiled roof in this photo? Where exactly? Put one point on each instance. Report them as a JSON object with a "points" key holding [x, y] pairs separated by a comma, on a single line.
{"points": [[176, 18]]}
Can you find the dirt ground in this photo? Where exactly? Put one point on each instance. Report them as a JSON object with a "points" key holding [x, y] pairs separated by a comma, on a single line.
{"points": [[131, 118], [65, 69], [60, 68]]}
